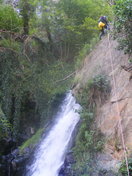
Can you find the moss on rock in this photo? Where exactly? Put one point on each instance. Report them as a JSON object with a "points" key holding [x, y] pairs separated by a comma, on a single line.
{"points": [[31, 142]]}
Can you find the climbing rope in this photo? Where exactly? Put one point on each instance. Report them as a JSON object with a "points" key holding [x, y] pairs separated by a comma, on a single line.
{"points": [[117, 107]]}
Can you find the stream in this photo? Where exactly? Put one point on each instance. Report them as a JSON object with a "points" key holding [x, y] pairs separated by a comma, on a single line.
{"points": [[50, 155]]}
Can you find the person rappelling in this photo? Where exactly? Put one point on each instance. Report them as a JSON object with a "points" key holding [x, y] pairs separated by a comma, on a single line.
{"points": [[103, 24]]}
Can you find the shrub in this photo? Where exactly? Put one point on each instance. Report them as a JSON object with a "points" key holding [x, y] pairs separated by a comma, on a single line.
{"points": [[9, 19], [123, 25], [5, 126], [123, 168], [97, 89]]}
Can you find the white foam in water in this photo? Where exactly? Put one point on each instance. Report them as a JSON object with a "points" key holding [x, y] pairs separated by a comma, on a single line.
{"points": [[50, 155]]}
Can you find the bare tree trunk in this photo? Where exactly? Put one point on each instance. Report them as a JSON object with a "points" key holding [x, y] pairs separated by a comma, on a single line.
{"points": [[111, 2], [25, 15], [49, 38]]}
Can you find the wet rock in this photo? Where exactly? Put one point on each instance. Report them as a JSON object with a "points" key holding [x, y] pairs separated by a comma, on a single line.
{"points": [[18, 165], [2, 170], [70, 158], [13, 164], [62, 171], [7, 145], [66, 169], [106, 173], [15, 152]]}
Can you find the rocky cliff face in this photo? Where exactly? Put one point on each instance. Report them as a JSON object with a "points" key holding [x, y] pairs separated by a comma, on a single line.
{"points": [[114, 117]]}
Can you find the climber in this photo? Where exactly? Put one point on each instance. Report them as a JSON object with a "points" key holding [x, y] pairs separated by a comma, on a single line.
{"points": [[103, 24]]}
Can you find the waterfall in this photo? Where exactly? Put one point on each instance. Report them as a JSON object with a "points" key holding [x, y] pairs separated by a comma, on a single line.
{"points": [[50, 155]]}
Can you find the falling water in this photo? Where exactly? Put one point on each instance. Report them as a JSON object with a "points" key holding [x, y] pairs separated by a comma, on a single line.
{"points": [[50, 155]]}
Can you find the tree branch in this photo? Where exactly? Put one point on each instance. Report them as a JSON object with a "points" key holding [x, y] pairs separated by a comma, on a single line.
{"points": [[66, 77], [10, 49]]}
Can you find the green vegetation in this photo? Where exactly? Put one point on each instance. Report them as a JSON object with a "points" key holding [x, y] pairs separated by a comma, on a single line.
{"points": [[41, 43], [31, 142], [90, 140], [123, 25], [123, 169], [80, 21], [5, 126], [39, 46], [9, 19]]}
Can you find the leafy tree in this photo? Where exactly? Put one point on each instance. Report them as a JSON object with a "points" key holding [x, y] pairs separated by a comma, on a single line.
{"points": [[27, 10], [25, 79], [80, 20], [9, 19], [123, 24], [1, 1]]}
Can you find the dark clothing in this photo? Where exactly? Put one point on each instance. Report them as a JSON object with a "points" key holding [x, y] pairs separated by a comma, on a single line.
{"points": [[101, 33]]}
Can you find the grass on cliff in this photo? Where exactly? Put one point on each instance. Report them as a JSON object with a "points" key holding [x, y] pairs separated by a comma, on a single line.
{"points": [[31, 142]]}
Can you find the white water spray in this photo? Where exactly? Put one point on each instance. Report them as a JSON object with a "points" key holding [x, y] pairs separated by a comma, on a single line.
{"points": [[51, 153]]}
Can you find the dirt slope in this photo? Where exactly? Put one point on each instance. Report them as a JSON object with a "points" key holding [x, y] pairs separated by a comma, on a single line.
{"points": [[107, 120]]}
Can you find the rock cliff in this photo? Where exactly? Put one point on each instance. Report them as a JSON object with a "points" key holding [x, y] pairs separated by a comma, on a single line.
{"points": [[114, 117]]}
